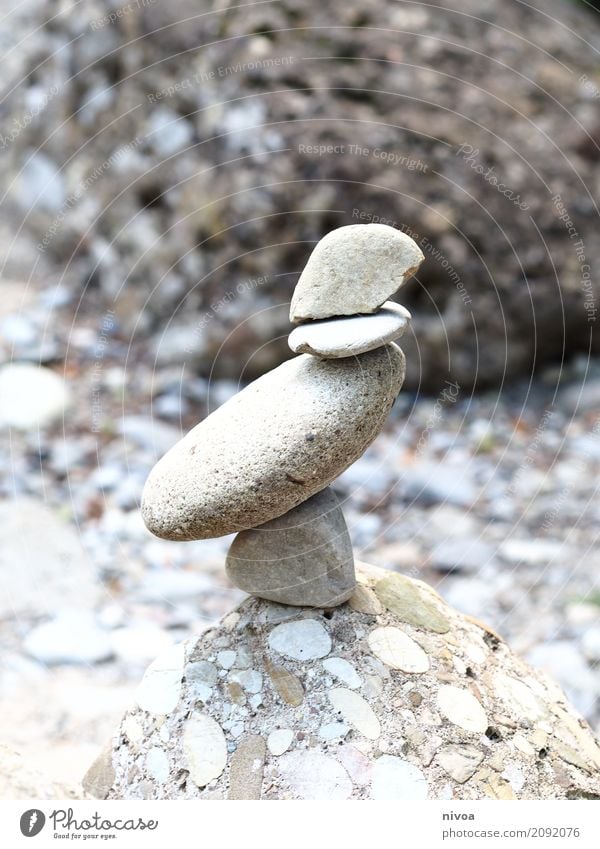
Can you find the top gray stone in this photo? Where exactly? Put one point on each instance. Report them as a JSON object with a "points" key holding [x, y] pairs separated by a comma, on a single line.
{"points": [[354, 270], [272, 446]]}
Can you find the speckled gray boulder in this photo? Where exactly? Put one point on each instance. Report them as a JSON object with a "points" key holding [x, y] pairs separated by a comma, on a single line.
{"points": [[353, 270], [361, 703], [302, 558], [282, 439], [333, 338]]}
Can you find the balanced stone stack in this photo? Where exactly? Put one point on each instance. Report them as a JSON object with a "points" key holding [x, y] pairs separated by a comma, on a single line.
{"points": [[261, 464]]}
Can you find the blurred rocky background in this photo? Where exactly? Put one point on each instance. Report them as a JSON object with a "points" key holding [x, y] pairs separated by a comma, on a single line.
{"points": [[166, 170]]}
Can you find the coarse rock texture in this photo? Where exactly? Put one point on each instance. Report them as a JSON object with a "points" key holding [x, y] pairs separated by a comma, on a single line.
{"points": [[273, 445], [362, 702], [353, 270], [201, 134], [302, 558], [346, 337]]}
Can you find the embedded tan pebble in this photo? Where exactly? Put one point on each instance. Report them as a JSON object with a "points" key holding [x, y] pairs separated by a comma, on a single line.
{"points": [[364, 600], [397, 650], [288, 687], [246, 771], [399, 735], [356, 711], [205, 748], [404, 599], [100, 777], [160, 687], [280, 740], [462, 708]]}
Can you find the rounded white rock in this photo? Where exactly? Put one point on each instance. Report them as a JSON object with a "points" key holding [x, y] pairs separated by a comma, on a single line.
{"points": [[335, 338]]}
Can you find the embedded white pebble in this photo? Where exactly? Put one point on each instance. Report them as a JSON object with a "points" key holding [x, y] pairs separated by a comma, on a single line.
{"points": [[303, 640], [226, 659], [356, 711], [205, 748], [394, 779], [160, 688], [157, 764], [313, 775], [519, 697], [398, 650], [334, 731], [133, 730], [203, 671], [279, 741], [249, 679], [462, 708], [356, 763], [343, 670]]}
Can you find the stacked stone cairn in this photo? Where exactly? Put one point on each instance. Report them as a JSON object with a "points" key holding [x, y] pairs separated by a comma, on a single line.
{"points": [[391, 696], [261, 464]]}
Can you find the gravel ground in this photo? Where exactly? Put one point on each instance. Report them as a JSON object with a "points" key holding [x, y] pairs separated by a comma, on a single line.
{"points": [[490, 498]]}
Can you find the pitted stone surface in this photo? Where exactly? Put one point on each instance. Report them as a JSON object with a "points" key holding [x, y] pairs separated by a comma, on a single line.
{"points": [[451, 731], [272, 446], [353, 270]]}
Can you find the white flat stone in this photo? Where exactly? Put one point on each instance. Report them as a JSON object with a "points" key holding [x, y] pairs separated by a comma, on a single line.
{"points": [[356, 711], [346, 337], [462, 708], [205, 748], [160, 687], [303, 640], [279, 741], [313, 775], [397, 650], [394, 779], [71, 637], [343, 670], [157, 764], [353, 270]]}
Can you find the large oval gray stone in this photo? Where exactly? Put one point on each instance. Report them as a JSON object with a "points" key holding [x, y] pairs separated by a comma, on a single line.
{"points": [[353, 270], [333, 338], [302, 558], [282, 439]]}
